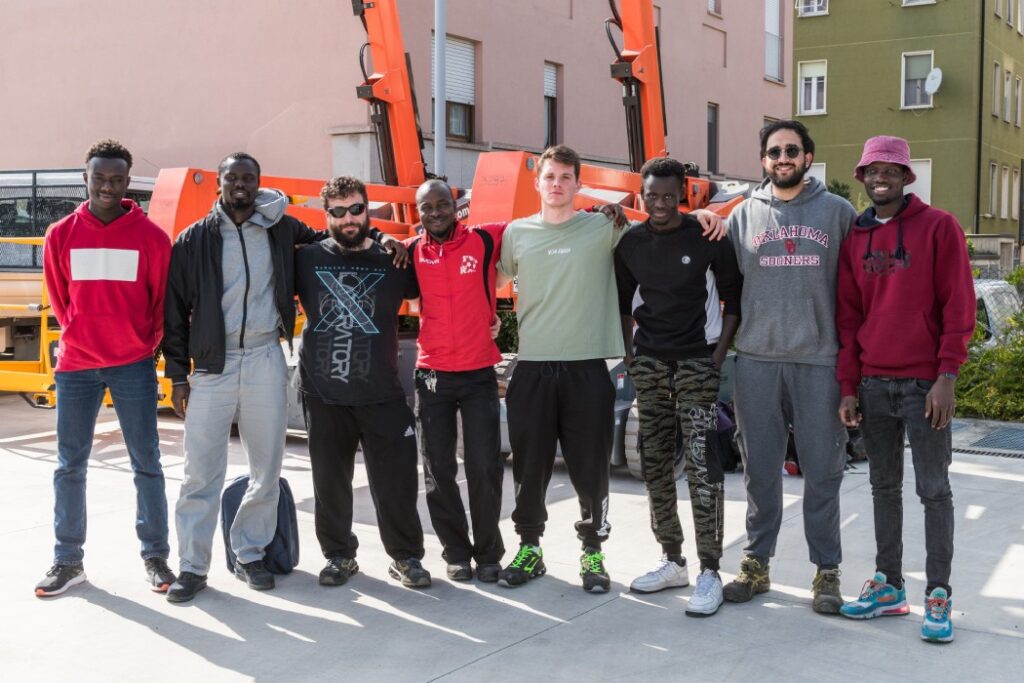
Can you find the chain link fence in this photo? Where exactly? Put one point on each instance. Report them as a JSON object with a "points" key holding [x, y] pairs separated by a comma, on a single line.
{"points": [[29, 202]]}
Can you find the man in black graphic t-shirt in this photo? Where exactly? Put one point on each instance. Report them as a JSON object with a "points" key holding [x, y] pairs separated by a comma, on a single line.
{"points": [[351, 293]]}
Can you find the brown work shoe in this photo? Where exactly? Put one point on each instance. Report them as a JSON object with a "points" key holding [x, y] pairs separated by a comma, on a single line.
{"points": [[752, 579], [827, 598]]}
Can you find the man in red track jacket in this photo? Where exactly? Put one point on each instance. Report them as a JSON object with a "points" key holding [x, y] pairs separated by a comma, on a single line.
{"points": [[905, 312], [106, 271], [455, 266]]}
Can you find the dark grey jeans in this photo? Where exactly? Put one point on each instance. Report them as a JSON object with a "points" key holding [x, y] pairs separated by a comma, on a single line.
{"points": [[893, 407]]}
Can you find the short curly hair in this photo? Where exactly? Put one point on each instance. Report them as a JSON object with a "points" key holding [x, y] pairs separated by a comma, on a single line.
{"points": [[343, 186], [237, 156], [664, 167], [109, 149]]}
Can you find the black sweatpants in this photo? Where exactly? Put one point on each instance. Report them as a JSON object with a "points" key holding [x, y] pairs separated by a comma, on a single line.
{"points": [[440, 397], [389, 453], [571, 403]]}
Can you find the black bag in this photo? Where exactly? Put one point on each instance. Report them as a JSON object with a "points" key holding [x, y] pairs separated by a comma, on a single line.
{"points": [[282, 555], [722, 444]]}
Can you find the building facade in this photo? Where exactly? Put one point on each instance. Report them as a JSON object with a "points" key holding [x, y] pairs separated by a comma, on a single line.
{"points": [[871, 67], [183, 84]]}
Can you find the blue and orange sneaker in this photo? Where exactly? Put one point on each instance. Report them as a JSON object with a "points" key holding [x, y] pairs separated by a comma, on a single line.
{"points": [[878, 598], [937, 626]]}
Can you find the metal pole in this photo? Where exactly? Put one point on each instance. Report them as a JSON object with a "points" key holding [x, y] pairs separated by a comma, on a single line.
{"points": [[440, 87]]}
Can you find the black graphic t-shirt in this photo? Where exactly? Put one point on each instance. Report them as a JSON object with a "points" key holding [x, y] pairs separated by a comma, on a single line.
{"points": [[349, 352]]}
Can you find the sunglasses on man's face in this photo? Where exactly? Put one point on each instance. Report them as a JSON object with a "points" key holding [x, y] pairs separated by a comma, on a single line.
{"points": [[792, 152], [341, 211]]}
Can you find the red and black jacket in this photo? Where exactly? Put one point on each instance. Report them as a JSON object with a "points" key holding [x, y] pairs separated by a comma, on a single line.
{"points": [[457, 304]]}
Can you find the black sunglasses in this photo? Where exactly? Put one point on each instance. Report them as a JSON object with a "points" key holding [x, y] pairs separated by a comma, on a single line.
{"points": [[792, 152], [341, 211]]}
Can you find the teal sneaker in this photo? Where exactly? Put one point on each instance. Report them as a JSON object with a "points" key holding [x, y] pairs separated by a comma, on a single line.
{"points": [[592, 571], [937, 626], [528, 564], [878, 598]]}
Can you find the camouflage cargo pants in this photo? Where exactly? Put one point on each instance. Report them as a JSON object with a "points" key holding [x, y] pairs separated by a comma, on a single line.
{"points": [[680, 392]]}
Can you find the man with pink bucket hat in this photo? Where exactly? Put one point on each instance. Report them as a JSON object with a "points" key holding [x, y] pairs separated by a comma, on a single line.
{"points": [[905, 312]]}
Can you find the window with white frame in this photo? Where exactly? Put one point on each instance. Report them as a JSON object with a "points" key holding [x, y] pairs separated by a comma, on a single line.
{"points": [[550, 104], [1017, 96], [811, 8], [818, 171], [993, 189], [1004, 206], [911, 3], [997, 78], [1011, 5], [1007, 95], [1015, 199], [460, 86], [773, 40], [922, 185], [715, 6], [812, 87], [916, 66]]}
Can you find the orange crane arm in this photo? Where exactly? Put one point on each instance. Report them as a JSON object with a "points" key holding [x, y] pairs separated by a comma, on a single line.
{"points": [[389, 91]]}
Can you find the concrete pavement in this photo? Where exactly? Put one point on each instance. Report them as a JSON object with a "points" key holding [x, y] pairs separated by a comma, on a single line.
{"points": [[114, 628]]}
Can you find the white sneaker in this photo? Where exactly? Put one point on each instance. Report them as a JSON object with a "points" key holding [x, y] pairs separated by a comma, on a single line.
{"points": [[667, 574], [707, 597]]}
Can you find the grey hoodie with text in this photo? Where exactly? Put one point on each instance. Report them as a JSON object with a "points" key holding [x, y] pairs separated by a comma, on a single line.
{"points": [[789, 255]]}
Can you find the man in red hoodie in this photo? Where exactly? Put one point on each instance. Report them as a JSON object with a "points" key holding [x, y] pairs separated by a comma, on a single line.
{"points": [[106, 271], [905, 312]]}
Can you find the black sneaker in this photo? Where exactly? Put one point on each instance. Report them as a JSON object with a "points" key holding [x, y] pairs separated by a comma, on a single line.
{"points": [[528, 564], [410, 572], [186, 587], [255, 574], [338, 570], [595, 578], [158, 574], [488, 572], [60, 578], [460, 571]]}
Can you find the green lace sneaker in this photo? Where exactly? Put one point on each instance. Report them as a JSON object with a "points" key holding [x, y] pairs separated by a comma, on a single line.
{"points": [[595, 578], [528, 564], [752, 579], [827, 598]]}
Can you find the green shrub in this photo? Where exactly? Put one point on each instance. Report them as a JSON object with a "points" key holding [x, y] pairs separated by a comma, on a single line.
{"points": [[508, 336], [991, 383]]}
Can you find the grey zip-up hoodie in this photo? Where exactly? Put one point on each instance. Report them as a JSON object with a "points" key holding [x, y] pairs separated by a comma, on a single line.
{"points": [[789, 255], [251, 318]]}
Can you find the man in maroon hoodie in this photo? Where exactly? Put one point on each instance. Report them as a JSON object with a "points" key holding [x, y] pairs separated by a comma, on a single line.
{"points": [[905, 312], [106, 272]]}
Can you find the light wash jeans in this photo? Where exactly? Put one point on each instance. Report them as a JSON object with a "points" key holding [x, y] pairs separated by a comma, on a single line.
{"points": [[79, 396], [254, 383]]}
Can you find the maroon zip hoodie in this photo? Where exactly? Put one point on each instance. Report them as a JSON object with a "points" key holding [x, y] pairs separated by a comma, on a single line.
{"points": [[905, 301]]}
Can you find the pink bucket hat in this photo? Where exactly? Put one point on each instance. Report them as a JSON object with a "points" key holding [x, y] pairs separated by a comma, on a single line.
{"points": [[886, 148]]}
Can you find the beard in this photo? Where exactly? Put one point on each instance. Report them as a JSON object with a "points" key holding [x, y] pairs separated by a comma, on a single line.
{"points": [[792, 181], [354, 242]]}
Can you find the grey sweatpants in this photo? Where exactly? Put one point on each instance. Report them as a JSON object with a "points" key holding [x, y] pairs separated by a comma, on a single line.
{"points": [[769, 397], [254, 382]]}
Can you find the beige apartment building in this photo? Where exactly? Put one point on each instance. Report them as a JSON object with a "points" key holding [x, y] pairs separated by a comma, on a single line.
{"points": [[184, 83]]}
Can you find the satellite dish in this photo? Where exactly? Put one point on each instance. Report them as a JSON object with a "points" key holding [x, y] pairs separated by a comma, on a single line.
{"points": [[933, 81]]}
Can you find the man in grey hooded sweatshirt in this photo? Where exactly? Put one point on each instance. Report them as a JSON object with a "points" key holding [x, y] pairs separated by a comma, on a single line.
{"points": [[787, 237]]}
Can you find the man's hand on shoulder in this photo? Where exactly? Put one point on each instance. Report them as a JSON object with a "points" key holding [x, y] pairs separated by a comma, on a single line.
{"points": [[616, 214], [714, 226], [397, 250]]}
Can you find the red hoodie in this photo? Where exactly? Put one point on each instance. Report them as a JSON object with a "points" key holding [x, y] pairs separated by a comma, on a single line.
{"points": [[457, 303], [905, 302], [106, 286]]}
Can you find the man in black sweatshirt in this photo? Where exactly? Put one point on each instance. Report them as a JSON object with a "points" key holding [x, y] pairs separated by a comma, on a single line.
{"points": [[671, 281]]}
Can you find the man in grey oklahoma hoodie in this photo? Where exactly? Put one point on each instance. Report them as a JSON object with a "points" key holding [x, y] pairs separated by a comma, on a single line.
{"points": [[787, 237]]}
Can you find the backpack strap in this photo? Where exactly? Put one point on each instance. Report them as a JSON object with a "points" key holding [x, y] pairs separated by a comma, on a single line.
{"points": [[485, 270]]}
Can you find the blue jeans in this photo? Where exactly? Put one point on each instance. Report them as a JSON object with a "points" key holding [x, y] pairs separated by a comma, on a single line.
{"points": [[892, 408], [79, 396]]}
